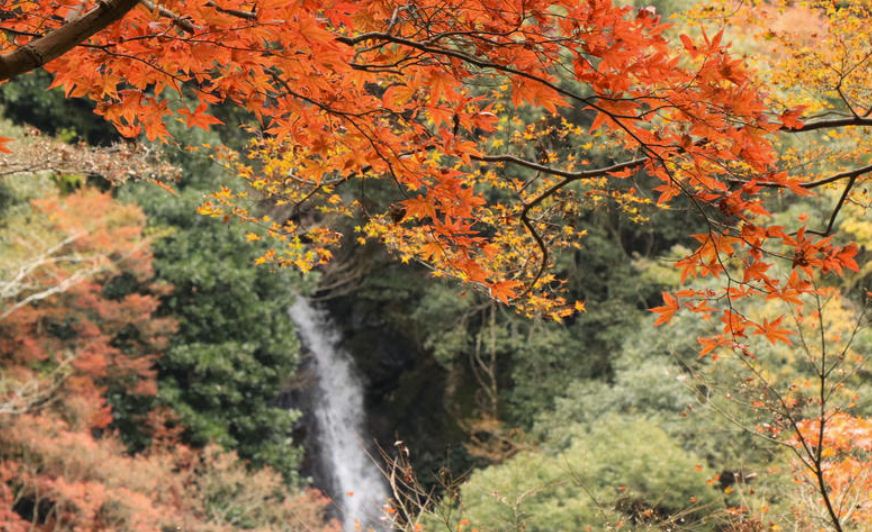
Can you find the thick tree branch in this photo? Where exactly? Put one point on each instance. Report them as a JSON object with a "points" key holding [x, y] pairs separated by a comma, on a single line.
{"points": [[57, 42], [600, 172], [247, 15], [856, 121], [850, 174]]}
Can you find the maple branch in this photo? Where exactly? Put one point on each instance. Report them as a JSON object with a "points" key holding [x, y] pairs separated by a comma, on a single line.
{"points": [[845, 99], [838, 207], [247, 15], [182, 23], [858, 121], [543, 264], [570, 176], [481, 63], [57, 42], [850, 174], [818, 456]]}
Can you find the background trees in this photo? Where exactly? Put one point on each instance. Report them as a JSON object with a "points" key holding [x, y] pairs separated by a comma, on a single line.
{"points": [[90, 436], [547, 154]]}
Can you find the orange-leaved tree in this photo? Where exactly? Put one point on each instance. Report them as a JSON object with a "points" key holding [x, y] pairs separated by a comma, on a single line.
{"points": [[346, 93], [74, 360], [350, 91], [814, 57], [59, 331]]}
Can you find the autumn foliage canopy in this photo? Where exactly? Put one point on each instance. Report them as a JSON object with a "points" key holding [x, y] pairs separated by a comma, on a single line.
{"points": [[351, 91]]}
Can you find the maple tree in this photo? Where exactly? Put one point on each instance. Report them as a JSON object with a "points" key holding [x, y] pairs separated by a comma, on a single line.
{"points": [[421, 95], [820, 68], [351, 91]]}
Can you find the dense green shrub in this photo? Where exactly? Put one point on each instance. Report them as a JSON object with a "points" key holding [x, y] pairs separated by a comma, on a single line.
{"points": [[236, 348], [623, 469]]}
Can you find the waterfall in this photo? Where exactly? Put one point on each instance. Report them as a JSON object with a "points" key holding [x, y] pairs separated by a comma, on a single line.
{"points": [[357, 483]]}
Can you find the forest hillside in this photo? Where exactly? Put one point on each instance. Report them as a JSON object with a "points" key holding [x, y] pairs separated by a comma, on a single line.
{"points": [[480, 265]]}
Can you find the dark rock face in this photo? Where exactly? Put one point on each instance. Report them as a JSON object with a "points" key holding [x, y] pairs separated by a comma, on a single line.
{"points": [[407, 395], [298, 395]]}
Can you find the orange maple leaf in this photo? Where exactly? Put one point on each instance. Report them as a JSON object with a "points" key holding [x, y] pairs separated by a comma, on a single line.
{"points": [[199, 118], [505, 290], [772, 332], [790, 118], [667, 310]]}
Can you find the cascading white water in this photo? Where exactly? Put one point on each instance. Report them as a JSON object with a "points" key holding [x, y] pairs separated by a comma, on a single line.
{"points": [[339, 412]]}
